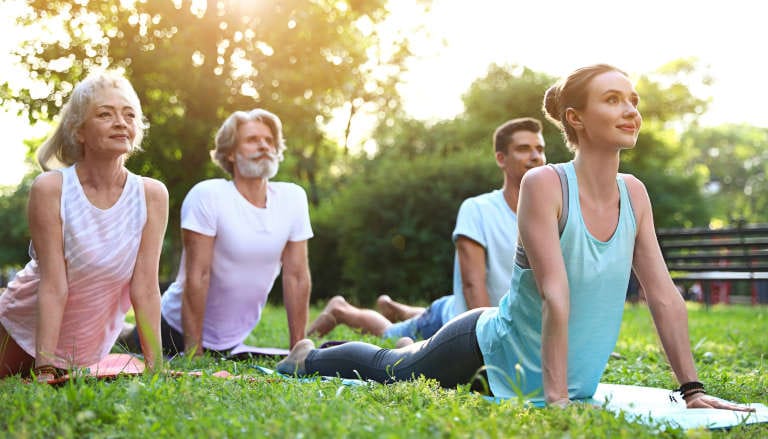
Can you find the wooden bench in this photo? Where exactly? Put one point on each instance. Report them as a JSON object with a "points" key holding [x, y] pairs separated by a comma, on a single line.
{"points": [[717, 257]]}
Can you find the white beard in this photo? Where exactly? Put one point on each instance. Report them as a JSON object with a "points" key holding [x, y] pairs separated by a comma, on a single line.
{"points": [[266, 168]]}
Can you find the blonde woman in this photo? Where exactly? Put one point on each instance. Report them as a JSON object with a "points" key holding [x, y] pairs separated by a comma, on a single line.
{"points": [[97, 231]]}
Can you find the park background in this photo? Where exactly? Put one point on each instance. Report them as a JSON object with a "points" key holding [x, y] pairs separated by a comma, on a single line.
{"points": [[389, 107]]}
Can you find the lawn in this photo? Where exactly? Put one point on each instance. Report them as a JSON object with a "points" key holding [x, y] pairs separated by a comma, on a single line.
{"points": [[729, 343]]}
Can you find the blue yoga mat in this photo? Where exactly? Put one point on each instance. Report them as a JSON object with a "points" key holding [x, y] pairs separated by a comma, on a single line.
{"points": [[651, 405]]}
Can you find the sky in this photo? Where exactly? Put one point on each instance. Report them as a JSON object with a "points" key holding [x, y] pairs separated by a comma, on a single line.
{"points": [[548, 36]]}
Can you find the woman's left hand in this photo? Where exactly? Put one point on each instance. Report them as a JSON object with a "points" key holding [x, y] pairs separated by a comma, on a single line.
{"points": [[704, 401]]}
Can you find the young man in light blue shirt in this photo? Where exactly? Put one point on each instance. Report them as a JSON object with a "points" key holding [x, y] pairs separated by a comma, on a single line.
{"points": [[485, 236]]}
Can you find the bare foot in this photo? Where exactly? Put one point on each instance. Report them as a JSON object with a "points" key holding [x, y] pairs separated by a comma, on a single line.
{"points": [[293, 364], [395, 311], [384, 306], [326, 321]]}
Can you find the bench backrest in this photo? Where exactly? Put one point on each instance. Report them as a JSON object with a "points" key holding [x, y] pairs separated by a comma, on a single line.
{"points": [[742, 248]]}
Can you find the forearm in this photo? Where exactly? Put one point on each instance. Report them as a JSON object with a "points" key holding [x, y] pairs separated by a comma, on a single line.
{"points": [[476, 296], [296, 292], [146, 307], [554, 351], [50, 312], [192, 316], [672, 325]]}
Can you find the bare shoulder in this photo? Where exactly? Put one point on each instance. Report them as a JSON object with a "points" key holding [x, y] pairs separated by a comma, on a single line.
{"points": [[542, 180], [155, 189], [47, 185], [637, 191], [639, 198]]}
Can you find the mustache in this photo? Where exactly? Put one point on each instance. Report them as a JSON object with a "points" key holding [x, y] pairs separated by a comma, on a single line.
{"points": [[258, 155]]}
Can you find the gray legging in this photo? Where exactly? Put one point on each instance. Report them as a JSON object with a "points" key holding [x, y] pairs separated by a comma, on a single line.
{"points": [[451, 356]]}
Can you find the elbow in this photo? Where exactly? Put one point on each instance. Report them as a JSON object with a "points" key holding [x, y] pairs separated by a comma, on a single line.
{"points": [[198, 280], [555, 308]]}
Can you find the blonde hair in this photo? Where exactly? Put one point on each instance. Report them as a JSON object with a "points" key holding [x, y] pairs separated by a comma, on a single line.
{"points": [[226, 137], [571, 92], [62, 148]]}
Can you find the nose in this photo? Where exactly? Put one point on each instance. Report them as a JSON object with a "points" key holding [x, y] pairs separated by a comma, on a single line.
{"points": [[536, 155], [120, 120], [631, 110]]}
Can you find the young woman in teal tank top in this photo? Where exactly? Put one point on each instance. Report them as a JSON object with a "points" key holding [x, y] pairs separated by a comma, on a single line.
{"points": [[560, 319]]}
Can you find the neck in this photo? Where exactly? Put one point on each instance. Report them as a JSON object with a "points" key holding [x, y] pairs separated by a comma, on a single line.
{"points": [[597, 172], [253, 189], [101, 174], [511, 191]]}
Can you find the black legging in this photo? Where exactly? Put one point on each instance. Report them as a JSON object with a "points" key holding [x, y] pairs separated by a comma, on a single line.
{"points": [[451, 356]]}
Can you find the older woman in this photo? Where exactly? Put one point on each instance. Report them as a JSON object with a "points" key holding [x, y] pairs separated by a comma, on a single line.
{"points": [[97, 232]]}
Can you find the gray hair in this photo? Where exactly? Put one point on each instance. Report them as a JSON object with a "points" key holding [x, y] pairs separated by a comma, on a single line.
{"points": [[62, 148], [226, 137]]}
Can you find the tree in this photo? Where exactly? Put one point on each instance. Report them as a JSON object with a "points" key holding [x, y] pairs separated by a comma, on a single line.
{"points": [[194, 62], [660, 158], [735, 161], [504, 93], [389, 228]]}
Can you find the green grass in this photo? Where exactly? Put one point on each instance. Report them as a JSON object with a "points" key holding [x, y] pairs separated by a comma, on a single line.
{"points": [[730, 347]]}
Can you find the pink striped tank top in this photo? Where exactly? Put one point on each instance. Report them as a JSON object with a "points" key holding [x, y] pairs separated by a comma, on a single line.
{"points": [[100, 248]]}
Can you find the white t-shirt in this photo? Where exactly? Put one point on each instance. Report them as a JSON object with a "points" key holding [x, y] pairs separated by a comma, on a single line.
{"points": [[487, 220], [247, 251]]}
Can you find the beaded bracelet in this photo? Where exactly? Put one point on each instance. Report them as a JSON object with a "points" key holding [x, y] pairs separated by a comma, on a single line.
{"points": [[40, 370], [688, 389], [691, 385]]}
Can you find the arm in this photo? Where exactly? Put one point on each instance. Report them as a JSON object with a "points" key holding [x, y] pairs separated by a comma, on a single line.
{"points": [[198, 250], [43, 211], [538, 211], [296, 288], [664, 300], [144, 289], [472, 268]]}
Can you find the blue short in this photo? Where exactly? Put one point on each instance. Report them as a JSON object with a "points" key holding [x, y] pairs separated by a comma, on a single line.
{"points": [[424, 325]]}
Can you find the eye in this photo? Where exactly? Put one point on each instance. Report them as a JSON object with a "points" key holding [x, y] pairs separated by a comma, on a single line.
{"points": [[104, 114], [613, 99]]}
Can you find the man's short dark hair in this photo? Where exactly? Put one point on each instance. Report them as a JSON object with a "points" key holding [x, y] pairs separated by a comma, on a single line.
{"points": [[503, 135]]}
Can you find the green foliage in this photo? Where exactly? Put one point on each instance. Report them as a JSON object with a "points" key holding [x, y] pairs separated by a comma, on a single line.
{"points": [[675, 189], [734, 159], [389, 229], [504, 93], [267, 406], [14, 233], [508, 92], [194, 63]]}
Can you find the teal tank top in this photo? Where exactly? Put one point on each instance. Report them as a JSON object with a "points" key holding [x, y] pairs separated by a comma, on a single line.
{"points": [[598, 274]]}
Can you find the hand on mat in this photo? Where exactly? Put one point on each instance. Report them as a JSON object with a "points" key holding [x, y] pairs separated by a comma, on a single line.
{"points": [[704, 401], [560, 403]]}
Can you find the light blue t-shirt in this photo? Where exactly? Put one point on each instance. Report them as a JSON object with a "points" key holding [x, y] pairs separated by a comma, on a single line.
{"points": [[488, 220], [598, 274]]}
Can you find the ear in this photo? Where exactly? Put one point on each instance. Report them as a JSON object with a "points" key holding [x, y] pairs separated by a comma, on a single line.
{"points": [[500, 158], [573, 118], [79, 136]]}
